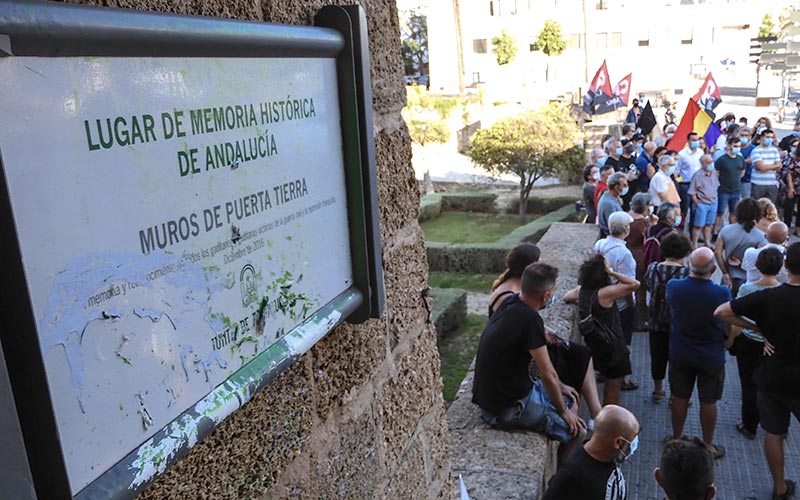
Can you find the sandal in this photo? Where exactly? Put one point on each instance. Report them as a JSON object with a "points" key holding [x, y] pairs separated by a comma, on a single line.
{"points": [[719, 451], [658, 396], [629, 385], [790, 491], [744, 432]]}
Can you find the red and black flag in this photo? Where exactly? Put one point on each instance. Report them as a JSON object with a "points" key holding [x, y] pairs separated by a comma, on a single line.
{"points": [[618, 99], [708, 97], [647, 120], [599, 90]]}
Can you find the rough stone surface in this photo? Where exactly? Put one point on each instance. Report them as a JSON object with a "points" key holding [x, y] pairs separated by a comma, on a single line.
{"points": [[497, 464], [361, 415]]}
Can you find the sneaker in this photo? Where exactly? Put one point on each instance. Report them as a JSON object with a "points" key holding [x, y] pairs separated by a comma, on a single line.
{"points": [[790, 489]]}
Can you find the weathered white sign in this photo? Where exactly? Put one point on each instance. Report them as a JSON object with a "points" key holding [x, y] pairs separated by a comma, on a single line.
{"points": [[176, 217]]}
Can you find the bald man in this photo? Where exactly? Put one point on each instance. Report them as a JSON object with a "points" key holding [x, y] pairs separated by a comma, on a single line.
{"points": [[777, 237], [697, 345], [591, 471]]}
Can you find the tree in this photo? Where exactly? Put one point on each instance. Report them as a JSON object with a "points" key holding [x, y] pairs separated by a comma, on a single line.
{"points": [[767, 26], [530, 146], [414, 34], [505, 48], [551, 42]]}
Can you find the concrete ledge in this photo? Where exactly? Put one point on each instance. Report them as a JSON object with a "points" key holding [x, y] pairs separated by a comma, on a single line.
{"points": [[488, 257], [497, 464], [430, 206]]}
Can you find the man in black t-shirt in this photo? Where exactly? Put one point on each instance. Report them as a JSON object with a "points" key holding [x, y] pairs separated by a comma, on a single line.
{"points": [[777, 377], [591, 471], [502, 387]]}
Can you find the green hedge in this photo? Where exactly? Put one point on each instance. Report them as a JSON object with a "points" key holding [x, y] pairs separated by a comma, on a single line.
{"points": [[468, 202], [430, 206], [541, 205], [489, 257], [449, 309]]}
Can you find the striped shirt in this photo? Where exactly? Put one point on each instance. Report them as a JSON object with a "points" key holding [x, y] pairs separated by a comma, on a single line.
{"points": [[769, 156]]}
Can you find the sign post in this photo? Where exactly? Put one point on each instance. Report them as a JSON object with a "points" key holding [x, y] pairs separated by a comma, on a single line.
{"points": [[187, 206]]}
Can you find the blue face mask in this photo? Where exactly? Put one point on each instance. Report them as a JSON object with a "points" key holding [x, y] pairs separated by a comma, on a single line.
{"points": [[624, 191], [736, 151], [793, 149], [639, 148], [633, 446], [618, 151], [796, 133], [678, 221], [694, 144], [710, 167], [602, 160], [744, 140], [767, 141], [728, 124], [671, 170]]}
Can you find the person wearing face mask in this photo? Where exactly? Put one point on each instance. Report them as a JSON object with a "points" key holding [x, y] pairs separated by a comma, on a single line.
{"points": [[592, 471], [669, 133], [502, 387], [611, 200], [627, 165], [786, 142], [645, 167], [697, 344], [688, 165], [572, 362], [614, 150], [747, 149], [591, 174], [602, 183], [662, 189], [703, 190], [720, 147], [790, 182], [766, 164], [615, 249], [634, 113], [731, 168]]}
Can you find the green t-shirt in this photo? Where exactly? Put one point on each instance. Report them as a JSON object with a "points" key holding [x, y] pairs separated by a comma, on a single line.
{"points": [[730, 173]]}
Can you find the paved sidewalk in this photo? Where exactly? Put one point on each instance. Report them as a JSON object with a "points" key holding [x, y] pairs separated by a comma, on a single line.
{"points": [[741, 475]]}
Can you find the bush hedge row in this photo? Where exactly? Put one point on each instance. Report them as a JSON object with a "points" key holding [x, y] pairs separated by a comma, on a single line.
{"points": [[489, 257], [434, 204], [449, 309]]}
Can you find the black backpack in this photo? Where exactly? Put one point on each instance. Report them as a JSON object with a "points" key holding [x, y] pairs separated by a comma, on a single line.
{"points": [[660, 311]]}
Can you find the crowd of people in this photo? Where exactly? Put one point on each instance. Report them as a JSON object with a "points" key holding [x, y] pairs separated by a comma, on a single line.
{"points": [[668, 221]]}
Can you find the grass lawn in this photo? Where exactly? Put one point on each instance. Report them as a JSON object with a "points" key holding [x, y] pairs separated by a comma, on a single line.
{"points": [[456, 352], [466, 281], [464, 227]]}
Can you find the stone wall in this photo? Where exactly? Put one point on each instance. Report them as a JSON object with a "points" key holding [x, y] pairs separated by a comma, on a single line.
{"points": [[361, 415]]}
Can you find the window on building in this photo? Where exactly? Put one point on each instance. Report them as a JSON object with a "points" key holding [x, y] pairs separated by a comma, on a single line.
{"points": [[615, 40], [491, 8], [476, 77], [601, 40], [686, 37], [644, 39], [601, 5], [479, 46], [575, 41]]}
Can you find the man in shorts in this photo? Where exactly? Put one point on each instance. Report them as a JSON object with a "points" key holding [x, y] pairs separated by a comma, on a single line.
{"points": [[775, 313], [503, 387], [697, 345], [703, 191]]}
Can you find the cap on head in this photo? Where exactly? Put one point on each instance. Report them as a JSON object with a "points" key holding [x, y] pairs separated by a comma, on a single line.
{"points": [[618, 223]]}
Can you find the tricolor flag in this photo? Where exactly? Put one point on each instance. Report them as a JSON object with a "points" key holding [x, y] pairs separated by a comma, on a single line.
{"points": [[698, 121], [619, 99], [708, 96], [600, 87]]}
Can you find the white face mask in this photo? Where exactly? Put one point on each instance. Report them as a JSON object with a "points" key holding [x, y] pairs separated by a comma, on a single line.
{"points": [[596, 176], [670, 135]]}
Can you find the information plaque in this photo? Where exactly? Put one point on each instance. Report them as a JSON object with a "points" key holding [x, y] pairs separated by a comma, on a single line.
{"points": [[182, 227]]}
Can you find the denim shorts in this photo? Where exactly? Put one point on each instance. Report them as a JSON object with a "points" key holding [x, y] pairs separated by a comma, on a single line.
{"points": [[535, 412], [704, 215], [728, 201]]}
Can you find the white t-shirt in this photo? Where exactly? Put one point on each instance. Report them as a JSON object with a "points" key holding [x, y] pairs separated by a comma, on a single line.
{"points": [[749, 263], [658, 184]]}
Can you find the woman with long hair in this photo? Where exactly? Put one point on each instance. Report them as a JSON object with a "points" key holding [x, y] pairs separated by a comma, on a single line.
{"points": [[734, 239], [572, 362], [769, 214], [596, 295]]}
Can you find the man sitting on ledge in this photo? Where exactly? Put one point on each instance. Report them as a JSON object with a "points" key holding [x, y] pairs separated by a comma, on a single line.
{"points": [[503, 388]]}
